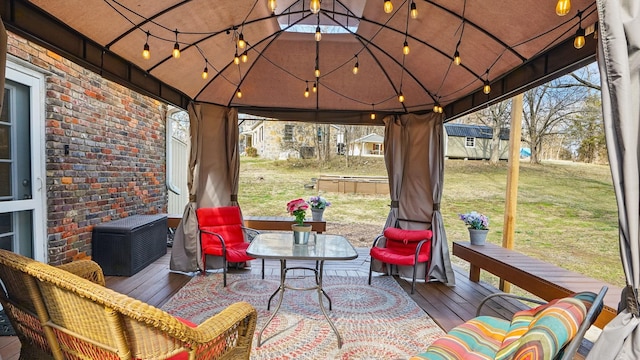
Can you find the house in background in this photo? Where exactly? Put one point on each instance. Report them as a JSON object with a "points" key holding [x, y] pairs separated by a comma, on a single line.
{"points": [[368, 145], [473, 142], [286, 139]]}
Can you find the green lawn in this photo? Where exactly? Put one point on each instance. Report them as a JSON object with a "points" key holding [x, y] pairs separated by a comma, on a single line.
{"points": [[566, 212]]}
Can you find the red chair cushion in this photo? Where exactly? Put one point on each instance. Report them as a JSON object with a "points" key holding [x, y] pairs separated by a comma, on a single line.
{"points": [[407, 235], [393, 256], [226, 222], [400, 246], [224, 215]]}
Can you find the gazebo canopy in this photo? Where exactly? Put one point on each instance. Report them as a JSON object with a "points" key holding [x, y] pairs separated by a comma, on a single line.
{"points": [[509, 45]]}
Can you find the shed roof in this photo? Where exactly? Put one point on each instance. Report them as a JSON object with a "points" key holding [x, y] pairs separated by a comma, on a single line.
{"points": [[476, 131]]}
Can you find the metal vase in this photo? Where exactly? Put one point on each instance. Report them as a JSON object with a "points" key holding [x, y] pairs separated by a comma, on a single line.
{"points": [[301, 234], [477, 236]]}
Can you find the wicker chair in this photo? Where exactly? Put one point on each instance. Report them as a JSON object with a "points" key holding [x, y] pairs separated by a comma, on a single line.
{"points": [[84, 320]]}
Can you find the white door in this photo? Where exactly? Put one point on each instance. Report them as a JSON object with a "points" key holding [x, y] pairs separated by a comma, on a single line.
{"points": [[22, 195]]}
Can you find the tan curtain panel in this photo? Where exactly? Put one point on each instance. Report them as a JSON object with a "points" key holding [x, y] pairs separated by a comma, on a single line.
{"points": [[414, 156], [619, 62], [214, 168]]}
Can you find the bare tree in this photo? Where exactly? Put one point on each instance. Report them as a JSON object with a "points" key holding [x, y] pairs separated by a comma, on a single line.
{"points": [[497, 117], [546, 107]]}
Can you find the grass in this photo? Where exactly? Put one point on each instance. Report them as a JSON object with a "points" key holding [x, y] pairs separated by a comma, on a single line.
{"points": [[566, 212]]}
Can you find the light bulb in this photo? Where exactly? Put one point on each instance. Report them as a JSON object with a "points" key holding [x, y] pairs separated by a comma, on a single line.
{"points": [[388, 6], [205, 73], [563, 7], [315, 87], [272, 6], [318, 34], [241, 43], [306, 92], [314, 6], [487, 88], [435, 108], [400, 97], [578, 41], [146, 54], [355, 68], [414, 10], [236, 59], [244, 57], [405, 48], [317, 72], [456, 58], [239, 93], [176, 51], [373, 116]]}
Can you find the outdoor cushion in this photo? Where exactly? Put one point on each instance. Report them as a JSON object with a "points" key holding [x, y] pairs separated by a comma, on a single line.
{"points": [[538, 333], [407, 235], [478, 338]]}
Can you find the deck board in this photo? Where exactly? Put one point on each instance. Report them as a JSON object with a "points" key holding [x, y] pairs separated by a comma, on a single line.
{"points": [[448, 306]]}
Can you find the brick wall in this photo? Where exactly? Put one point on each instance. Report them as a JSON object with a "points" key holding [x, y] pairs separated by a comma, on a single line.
{"points": [[115, 166]]}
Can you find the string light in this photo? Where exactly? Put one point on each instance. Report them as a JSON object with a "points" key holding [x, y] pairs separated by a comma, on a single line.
{"points": [[306, 91], [244, 57], [414, 10], [239, 93], [578, 41], [146, 54], [437, 108], [272, 6], [486, 88], [388, 6], [405, 48], [456, 58], [315, 87], [318, 35], [176, 47], [314, 6], [400, 97], [241, 43], [373, 112], [563, 7], [317, 72], [236, 58], [205, 72], [356, 67]]}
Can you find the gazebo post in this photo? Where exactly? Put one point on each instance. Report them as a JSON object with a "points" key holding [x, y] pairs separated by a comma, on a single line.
{"points": [[509, 227]]}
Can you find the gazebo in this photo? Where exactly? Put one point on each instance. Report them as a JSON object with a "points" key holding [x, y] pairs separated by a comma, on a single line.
{"points": [[408, 65]]}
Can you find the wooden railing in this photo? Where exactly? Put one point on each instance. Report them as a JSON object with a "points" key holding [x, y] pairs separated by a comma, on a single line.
{"points": [[535, 276]]}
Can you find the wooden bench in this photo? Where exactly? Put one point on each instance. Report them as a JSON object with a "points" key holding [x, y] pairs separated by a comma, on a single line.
{"points": [[278, 223], [274, 223], [541, 279]]}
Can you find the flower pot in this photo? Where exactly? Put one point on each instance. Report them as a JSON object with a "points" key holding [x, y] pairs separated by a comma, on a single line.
{"points": [[477, 236], [301, 234], [317, 214]]}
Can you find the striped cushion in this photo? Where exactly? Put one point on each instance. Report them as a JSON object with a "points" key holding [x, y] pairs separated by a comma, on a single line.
{"points": [[478, 338], [541, 332], [534, 334]]}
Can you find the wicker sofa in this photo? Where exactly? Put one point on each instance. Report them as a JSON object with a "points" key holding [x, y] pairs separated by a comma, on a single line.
{"points": [[66, 313]]}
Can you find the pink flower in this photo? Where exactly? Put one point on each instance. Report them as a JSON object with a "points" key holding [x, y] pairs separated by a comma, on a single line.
{"points": [[298, 208]]}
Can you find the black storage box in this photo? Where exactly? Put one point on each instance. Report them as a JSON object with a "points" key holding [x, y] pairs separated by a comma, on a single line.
{"points": [[126, 246]]}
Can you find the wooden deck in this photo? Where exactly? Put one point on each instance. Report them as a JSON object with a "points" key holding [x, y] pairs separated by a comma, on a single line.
{"points": [[448, 306]]}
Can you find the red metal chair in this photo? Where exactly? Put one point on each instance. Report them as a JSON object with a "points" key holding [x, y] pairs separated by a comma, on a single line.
{"points": [[222, 234], [402, 248]]}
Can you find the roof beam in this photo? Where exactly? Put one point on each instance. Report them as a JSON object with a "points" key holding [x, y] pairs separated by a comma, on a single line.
{"points": [[23, 18], [554, 63]]}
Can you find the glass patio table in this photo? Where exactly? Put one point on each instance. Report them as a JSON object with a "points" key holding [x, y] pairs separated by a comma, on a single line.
{"points": [[321, 247]]}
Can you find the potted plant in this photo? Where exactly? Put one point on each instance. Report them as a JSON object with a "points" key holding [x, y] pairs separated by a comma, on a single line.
{"points": [[478, 225], [318, 204], [301, 232]]}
